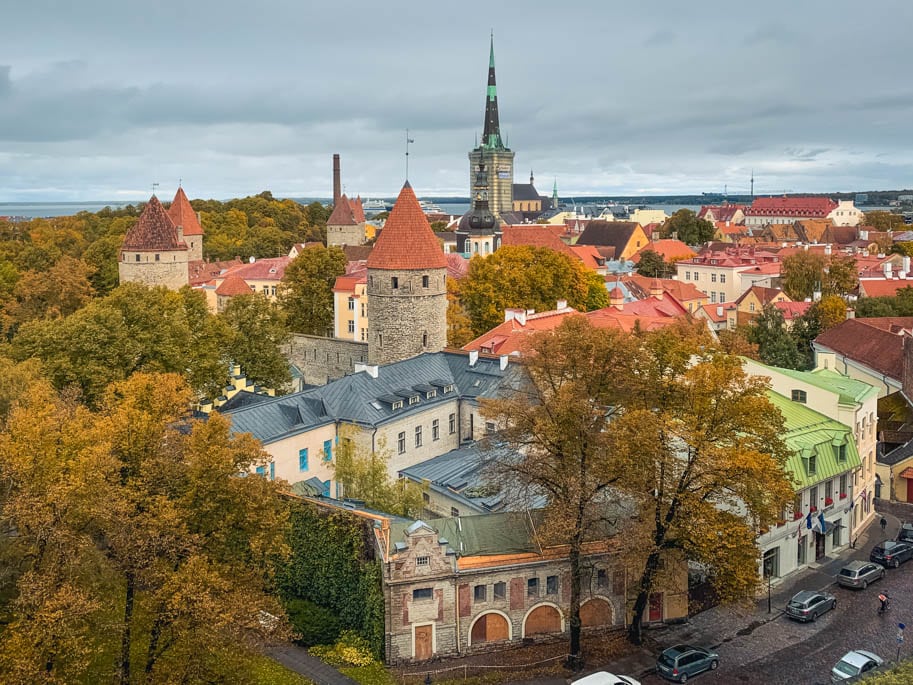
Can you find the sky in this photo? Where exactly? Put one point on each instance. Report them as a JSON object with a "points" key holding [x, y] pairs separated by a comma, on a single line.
{"points": [[99, 99]]}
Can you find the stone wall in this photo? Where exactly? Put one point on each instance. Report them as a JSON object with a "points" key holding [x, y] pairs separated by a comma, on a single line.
{"points": [[323, 359], [407, 317], [340, 235], [154, 268]]}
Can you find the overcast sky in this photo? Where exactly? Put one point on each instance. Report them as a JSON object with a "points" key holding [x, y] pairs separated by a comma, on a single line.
{"points": [[101, 98]]}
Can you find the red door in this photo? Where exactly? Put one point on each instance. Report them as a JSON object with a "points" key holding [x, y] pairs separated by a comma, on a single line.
{"points": [[910, 489], [656, 607]]}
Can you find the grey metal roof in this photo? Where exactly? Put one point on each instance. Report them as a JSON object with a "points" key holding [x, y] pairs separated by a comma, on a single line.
{"points": [[897, 455], [525, 191], [353, 398]]}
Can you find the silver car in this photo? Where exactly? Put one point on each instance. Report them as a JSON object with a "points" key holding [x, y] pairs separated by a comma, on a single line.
{"points": [[854, 664], [809, 605], [860, 574]]}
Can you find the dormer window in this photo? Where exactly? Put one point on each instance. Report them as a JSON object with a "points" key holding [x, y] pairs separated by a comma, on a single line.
{"points": [[430, 394], [448, 388], [397, 405], [413, 400], [799, 396]]}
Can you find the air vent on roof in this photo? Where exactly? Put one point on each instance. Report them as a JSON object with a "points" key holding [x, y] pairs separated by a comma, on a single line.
{"points": [[272, 271]]}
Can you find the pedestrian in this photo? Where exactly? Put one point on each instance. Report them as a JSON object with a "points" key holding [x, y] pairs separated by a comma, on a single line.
{"points": [[884, 523]]}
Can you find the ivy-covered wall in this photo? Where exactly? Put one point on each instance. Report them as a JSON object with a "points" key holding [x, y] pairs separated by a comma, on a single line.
{"points": [[333, 565]]}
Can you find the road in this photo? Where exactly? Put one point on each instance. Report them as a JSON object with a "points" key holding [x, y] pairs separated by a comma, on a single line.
{"points": [[804, 653]]}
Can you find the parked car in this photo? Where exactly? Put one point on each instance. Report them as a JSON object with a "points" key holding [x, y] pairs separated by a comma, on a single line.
{"points": [[860, 574], [603, 678], [906, 532], [853, 664], [683, 661], [808, 605], [892, 553]]}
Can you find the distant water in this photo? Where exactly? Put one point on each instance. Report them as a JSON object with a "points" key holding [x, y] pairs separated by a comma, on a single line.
{"points": [[47, 209]]}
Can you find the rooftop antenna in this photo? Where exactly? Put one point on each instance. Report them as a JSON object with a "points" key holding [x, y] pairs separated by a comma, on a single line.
{"points": [[154, 186], [179, 182], [408, 141], [752, 185]]}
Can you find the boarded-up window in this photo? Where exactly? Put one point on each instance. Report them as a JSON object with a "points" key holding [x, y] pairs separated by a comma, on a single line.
{"points": [[618, 582]]}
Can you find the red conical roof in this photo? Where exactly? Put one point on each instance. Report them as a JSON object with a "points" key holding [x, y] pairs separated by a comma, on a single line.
{"points": [[182, 214], [154, 230], [342, 215], [407, 241], [358, 209], [233, 285]]}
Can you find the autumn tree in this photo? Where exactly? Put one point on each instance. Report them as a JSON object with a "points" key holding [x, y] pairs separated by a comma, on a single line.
{"points": [[830, 311], [775, 344], [530, 278], [698, 445], [256, 334], [883, 221], [57, 292], [804, 272], [364, 474], [306, 293], [142, 553], [652, 265], [841, 276], [687, 227], [560, 422], [459, 326]]}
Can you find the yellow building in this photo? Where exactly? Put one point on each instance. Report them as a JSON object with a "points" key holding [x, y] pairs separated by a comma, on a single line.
{"points": [[752, 302], [350, 306]]}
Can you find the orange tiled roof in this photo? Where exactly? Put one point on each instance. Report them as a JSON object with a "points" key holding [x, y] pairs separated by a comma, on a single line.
{"points": [[534, 236], [233, 285], [182, 214], [202, 271], [407, 241], [811, 207], [358, 209], [269, 269], [589, 255], [765, 295], [669, 249], [718, 312], [639, 286], [883, 287], [154, 230], [792, 310]]}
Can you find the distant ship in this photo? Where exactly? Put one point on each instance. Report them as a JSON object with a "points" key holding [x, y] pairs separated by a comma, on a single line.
{"points": [[376, 205], [429, 207]]}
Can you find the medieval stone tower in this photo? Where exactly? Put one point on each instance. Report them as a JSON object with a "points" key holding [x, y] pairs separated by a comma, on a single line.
{"points": [[346, 225], [492, 155], [183, 216], [407, 286], [154, 251]]}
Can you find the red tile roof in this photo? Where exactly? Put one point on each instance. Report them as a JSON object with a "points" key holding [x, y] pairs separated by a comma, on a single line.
{"points": [[876, 343], [202, 271], [153, 231], [457, 265], [358, 209], [589, 255], [233, 285], [669, 249], [765, 295], [721, 212], [534, 236], [792, 310], [269, 269], [182, 214], [640, 286], [407, 241], [343, 214], [883, 287], [810, 207], [718, 312]]}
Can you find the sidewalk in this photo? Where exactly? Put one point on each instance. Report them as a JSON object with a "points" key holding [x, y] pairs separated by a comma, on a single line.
{"points": [[297, 659], [721, 624]]}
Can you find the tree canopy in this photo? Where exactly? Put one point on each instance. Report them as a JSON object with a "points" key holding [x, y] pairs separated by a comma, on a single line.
{"points": [[306, 293], [685, 226], [803, 273], [652, 265], [884, 221], [527, 277], [138, 550]]}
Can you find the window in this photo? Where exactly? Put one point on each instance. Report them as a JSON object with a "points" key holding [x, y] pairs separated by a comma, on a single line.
{"points": [[401, 443], [712, 296], [397, 405], [413, 400], [813, 496], [418, 436], [695, 276], [272, 290], [261, 470], [422, 593], [424, 340], [351, 304], [364, 309], [424, 281], [812, 465], [448, 388], [479, 593], [272, 470], [452, 422], [551, 585], [829, 490], [422, 561], [751, 306], [602, 577], [500, 591], [454, 512], [618, 582], [157, 257], [722, 278], [266, 290], [394, 281], [841, 452], [426, 498], [799, 396], [137, 257], [722, 297], [713, 278], [351, 325], [436, 430], [532, 587], [687, 275], [380, 340], [364, 334], [327, 450], [489, 427], [303, 459], [843, 484], [430, 394]]}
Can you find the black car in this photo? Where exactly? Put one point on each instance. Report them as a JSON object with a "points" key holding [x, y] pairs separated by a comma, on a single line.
{"points": [[906, 533], [891, 553]]}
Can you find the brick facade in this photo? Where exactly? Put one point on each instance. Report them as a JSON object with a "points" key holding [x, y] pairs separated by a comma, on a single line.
{"points": [[408, 313]]}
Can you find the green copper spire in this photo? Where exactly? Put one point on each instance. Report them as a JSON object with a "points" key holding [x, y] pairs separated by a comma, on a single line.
{"points": [[491, 135]]}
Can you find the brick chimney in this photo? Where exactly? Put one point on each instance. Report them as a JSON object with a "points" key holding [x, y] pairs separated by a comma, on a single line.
{"points": [[337, 182]]}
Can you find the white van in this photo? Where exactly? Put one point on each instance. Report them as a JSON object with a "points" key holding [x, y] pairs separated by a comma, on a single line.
{"points": [[603, 678]]}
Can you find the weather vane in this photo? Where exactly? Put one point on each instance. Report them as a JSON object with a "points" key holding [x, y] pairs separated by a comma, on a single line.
{"points": [[408, 140], [154, 186]]}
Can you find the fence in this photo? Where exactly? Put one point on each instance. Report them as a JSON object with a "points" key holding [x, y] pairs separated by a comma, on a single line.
{"points": [[464, 671]]}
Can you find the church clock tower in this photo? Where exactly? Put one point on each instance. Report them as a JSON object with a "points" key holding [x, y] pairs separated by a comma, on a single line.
{"points": [[492, 155]]}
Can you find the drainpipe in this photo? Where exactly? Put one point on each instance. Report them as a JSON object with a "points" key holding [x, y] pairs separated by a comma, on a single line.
{"points": [[456, 603]]}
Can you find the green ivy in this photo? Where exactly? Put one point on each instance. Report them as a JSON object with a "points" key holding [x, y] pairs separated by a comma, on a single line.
{"points": [[333, 565]]}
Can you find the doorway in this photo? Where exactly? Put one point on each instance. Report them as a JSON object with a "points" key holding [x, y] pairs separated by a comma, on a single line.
{"points": [[656, 607], [423, 642], [819, 546]]}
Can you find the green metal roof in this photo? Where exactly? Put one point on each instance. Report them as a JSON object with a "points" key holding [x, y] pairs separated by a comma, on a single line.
{"points": [[807, 433], [850, 390]]}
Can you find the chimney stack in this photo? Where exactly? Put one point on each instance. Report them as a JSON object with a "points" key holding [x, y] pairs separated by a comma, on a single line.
{"points": [[337, 183]]}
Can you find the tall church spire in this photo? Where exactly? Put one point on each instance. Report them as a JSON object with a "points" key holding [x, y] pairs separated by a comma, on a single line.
{"points": [[491, 136]]}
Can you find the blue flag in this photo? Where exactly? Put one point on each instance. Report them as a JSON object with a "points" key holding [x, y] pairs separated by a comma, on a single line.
{"points": [[823, 523], [808, 520]]}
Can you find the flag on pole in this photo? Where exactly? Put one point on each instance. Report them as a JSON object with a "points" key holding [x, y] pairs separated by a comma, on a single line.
{"points": [[822, 523], [808, 520]]}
